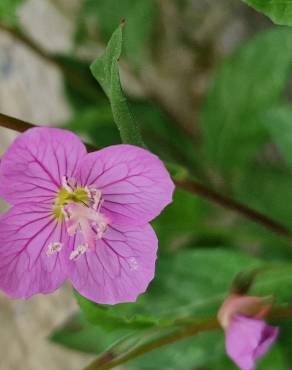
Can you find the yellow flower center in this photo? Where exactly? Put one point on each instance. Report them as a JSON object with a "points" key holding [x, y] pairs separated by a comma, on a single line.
{"points": [[64, 196]]}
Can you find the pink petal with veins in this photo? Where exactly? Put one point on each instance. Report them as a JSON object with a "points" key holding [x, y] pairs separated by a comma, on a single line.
{"points": [[120, 268], [134, 183], [33, 166], [26, 231]]}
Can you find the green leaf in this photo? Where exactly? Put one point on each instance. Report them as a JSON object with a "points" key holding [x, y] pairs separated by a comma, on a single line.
{"points": [[112, 318], [106, 70], [245, 87], [8, 10], [80, 335], [280, 11], [276, 281], [278, 121]]}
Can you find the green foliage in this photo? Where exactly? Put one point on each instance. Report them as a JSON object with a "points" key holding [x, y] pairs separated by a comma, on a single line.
{"points": [[280, 11], [245, 87], [8, 11], [82, 336], [188, 284], [106, 70]]}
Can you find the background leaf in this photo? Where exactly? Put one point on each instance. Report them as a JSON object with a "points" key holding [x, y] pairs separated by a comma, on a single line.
{"points": [[78, 334], [232, 123], [280, 11], [8, 11]]}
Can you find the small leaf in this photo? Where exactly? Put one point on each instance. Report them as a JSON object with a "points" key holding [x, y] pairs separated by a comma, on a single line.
{"points": [[280, 11], [106, 70]]}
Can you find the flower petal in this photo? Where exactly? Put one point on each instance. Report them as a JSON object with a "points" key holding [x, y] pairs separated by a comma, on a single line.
{"points": [[26, 231], [33, 166], [120, 268], [135, 184], [247, 339]]}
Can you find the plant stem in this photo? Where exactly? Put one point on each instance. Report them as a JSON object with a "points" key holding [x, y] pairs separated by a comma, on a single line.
{"points": [[22, 126], [14, 123], [228, 203], [101, 362], [189, 185], [108, 360]]}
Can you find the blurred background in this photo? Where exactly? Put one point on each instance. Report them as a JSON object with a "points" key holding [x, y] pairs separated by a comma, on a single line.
{"points": [[209, 83]]}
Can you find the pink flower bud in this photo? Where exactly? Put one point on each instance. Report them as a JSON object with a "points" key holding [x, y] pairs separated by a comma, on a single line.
{"points": [[247, 336]]}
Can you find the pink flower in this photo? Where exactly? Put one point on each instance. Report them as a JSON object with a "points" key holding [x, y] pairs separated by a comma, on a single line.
{"points": [[247, 336], [247, 339], [78, 216]]}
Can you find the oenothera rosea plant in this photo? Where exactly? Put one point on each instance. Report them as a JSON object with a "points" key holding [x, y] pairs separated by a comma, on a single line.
{"points": [[79, 217]]}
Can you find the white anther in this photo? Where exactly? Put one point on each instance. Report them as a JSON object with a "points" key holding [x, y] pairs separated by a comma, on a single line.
{"points": [[96, 196], [81, 249], [54, 248], [68, 183]]}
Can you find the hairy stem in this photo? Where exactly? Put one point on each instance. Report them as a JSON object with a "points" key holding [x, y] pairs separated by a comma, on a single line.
{"points": [[187, 184]]}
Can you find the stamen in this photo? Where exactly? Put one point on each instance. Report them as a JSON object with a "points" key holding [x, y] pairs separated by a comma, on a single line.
{"points": [[80, 208], [54, 248], [81, 249], [96, 196], [66, 184]]}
